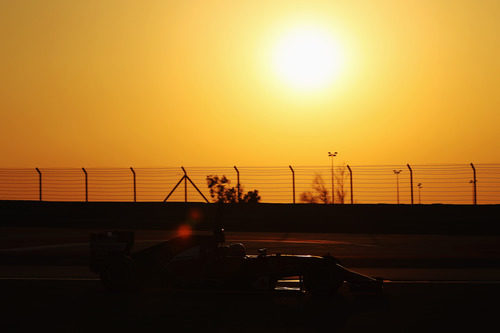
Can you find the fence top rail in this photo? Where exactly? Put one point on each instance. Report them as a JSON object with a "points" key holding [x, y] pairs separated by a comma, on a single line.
{"points": [[231, 167]]}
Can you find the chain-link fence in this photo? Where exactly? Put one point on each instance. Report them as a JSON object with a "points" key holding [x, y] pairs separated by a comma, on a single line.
{"points": [[426, 184]]}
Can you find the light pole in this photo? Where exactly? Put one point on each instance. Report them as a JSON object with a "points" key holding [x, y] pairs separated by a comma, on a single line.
{"points": [[397, 172], [333, 187], [419, 185]]}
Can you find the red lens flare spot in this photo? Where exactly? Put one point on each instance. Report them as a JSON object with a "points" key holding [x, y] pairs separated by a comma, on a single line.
{"points": [[184, 230], [195, 214]]}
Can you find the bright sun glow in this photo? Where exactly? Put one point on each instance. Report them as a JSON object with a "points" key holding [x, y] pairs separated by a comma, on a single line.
{"points": [[307, 58]]}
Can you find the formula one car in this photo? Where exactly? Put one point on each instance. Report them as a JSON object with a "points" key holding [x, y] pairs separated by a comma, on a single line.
{"points": [[205, 262]]}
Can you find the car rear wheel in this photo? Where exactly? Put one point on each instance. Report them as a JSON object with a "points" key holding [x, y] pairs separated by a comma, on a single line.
{"points": [[120, 275]]}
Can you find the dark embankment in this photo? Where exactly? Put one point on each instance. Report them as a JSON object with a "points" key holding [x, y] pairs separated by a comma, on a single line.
{"points": [[426, 219]]}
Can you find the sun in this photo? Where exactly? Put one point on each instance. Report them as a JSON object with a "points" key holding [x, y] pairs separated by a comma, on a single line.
{"points": [[307, 58]]}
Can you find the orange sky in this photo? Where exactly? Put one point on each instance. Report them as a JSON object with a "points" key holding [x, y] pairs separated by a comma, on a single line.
{"points": [[168, 83]]}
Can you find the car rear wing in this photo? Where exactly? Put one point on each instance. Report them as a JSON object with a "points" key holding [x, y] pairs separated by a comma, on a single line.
{"points": [[104, 246]]}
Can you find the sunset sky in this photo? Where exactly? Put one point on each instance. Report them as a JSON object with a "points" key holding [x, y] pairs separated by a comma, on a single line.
{"points": [[203, 83]]}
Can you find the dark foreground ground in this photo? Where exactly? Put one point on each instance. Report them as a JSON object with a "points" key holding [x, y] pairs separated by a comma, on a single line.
{"points": [[441, 265], [83, 306], [434, 283]]}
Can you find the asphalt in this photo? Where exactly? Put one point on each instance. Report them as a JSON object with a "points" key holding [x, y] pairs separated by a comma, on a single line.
{"points": [[433, 283], [69, 247], [84, 306]]}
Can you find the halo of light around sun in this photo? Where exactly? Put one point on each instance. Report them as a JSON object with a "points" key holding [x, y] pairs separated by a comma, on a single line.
{"points": [[307, 58]]}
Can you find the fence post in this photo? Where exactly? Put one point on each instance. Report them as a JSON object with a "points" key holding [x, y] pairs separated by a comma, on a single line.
{"points": [[474, 181], [411, 181], [185, 185], [39, 184], [238, 179], [293, 182], [350, 177], [86, 185], [135, 193]]}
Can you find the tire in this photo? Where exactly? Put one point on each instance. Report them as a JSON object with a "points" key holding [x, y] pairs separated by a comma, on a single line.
{"points": [[321, 283], [120, 275], [264, 283]]}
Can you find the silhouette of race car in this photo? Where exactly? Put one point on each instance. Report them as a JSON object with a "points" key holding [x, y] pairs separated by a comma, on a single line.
{"points": [[205, 262]]}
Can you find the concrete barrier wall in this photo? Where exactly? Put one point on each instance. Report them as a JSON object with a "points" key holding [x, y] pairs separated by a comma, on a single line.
{"points": [[429, 219]]}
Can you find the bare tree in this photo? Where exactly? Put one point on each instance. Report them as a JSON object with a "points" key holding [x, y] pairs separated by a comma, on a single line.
{"points": [[320, 194], [340, 175], [308, 197]]}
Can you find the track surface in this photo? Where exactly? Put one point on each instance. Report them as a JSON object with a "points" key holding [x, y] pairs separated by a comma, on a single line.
{"points": [[438, 284], [81, 305], [52, 246]]}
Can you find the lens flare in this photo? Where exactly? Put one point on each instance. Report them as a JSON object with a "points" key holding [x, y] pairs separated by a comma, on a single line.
{"points": [[184, 230]]}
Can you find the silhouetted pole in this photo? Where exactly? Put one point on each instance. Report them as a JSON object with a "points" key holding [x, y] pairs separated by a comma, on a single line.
{"points": [[185, 185], [196, 188], [350, 177], [176, 185], [238, 179], [333, 187], [86, 185], [39, 184], [293, 182], [419, 185], [397, 172], [135, 193], [411, 181], [474, 183], [185, 178]]}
